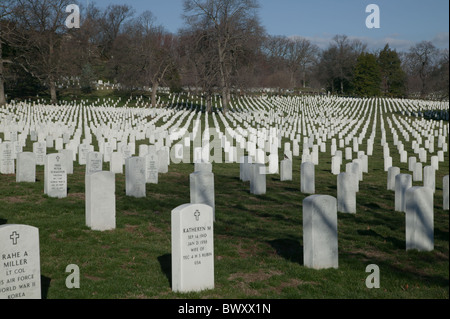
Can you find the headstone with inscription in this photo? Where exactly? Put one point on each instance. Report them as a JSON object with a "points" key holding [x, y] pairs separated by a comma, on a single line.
{"points": [[151, 168], [192, 240], [20, 270], [40, 149], [6, 158], [94, 162], [55, 176]]}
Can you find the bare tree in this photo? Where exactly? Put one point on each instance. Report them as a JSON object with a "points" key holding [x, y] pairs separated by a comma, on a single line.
{"points": [[5, 12], [301, 54], [421, 61], [111, 24], [38, 37], [228, 25], [144, 53]]}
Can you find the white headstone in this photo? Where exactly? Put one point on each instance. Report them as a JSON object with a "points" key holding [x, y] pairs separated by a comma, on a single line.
{"points": [[151, 168], [402, 183], [192, 238], [392, 172], [55, 176], [320, 242], [94, 162], [6, 158], [419, 219], [116, 163], [286, 170], [445, 190], [20, 268], [202, 188], [101, 200], [346, 193], [307, 178], [26, 167], [258, 179], [135, 177]]}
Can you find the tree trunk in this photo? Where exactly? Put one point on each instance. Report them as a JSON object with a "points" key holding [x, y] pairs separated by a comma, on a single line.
{"points": [[208, 104], [154, 90], [2, 79], [53, 98], [224, 99]]}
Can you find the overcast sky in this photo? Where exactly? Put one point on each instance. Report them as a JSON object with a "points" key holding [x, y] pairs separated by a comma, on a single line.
{"points": [[402, 22]]}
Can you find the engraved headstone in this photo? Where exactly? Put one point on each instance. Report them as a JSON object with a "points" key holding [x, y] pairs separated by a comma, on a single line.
{"points": [[20, 274], [55, 176], [192, 240]]}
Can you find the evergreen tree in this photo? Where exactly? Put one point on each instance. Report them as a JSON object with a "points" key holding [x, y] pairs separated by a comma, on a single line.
{"points": [[392, 75], [367, 76]]}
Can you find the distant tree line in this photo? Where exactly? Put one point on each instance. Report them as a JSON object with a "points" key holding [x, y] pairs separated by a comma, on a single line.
{"points": [[223, 49]]}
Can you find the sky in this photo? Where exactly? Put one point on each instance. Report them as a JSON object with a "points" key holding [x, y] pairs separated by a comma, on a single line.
{"points": [[403, 23]]}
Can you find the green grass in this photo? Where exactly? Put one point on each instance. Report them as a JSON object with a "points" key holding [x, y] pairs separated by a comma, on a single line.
{"points": [[258, 244]]}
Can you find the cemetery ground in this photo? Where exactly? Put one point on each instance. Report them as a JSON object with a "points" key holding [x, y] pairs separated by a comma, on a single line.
{"points": [[258, 243]]}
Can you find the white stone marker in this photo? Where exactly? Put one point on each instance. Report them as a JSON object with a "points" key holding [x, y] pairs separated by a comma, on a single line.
{"points": [[392, 172], [116, 163], [55, 176], [192, 240], [26, 167], [445, 195], [258, 179], [94, 162], [419, 219], [151, 168], [202, 188], [307, 178], [40, 149], [20, 270], [163, 158], [286, 170], [68, 155], [402, 183], [429, 177], [135, 177], [320, 242], [6, 158], [101, 200], [245, 168], [346, 193], [418, 172]]}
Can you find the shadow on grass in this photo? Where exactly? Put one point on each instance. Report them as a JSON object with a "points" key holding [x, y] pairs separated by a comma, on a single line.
{"points": [[45, 285], [289, 249], [400, 244], [165, 262]]}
